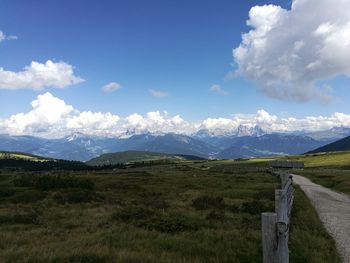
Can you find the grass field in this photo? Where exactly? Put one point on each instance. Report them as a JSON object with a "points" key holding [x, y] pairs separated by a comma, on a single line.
{"points": [[337, 160], [331, 170], [23, 156], [194, 212]]}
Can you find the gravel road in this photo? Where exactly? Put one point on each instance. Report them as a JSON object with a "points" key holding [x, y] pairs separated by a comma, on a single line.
{"points": [[334, 211]]}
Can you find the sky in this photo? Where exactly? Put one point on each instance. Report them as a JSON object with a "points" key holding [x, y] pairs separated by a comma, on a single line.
{"points": [[105, 67]]}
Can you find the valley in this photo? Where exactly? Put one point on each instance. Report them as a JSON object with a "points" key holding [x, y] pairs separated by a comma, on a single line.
{"points": [[245, 142]]}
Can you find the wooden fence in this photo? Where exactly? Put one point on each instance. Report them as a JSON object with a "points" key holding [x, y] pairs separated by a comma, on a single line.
{"points": [[275, 226], [289, 164]]}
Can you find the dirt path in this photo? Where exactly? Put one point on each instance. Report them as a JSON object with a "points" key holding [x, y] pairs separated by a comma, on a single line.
{"points": [[334, 211]]}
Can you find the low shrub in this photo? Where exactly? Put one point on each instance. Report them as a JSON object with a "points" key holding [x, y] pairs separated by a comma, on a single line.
{"points": [[233, 208], [172, 224], [74, 196], [87, 257], [6, 192], [216, 215], [207, 202], [21, 218], [133, 214], [28, 196], [256, 207], [150, 220], [48, 182]]}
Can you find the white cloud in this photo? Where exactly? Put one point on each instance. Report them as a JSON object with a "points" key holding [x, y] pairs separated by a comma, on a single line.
{"points": [[52, 117], [218, 89], [95, 123], [3, 37], [287, 51], [112, 86], [156, 121], [47, 116], [38, 76], [158, 93]]}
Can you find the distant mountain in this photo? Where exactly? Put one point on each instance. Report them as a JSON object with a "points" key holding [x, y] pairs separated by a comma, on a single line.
{"points": [[178, 144], [340, 145], [245, 141], [81, 147], [27, 144], [330, 135], [242, 130], [268, 145], [137, 156], [222, 140]]}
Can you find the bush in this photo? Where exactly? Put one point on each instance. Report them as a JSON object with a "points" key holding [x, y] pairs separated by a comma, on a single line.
{"points": [[28, 196], [87, 257], [172, 224], [234, 208], [216, 215], [133, 214], [48, 182], [255, 207], [74, 196], [148, 219], [207, 202], [23, 218], [6, 192]]}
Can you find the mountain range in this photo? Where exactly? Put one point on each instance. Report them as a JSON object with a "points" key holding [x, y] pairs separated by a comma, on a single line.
{"points": [[340, 145], [137, 156], [244, 142]]}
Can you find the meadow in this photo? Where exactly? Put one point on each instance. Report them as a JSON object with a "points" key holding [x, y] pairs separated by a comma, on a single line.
{"points": [[180, 212], [331, 170]]}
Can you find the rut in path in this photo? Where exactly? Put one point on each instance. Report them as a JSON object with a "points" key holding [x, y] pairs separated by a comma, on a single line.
{"points": [[334, 211]]}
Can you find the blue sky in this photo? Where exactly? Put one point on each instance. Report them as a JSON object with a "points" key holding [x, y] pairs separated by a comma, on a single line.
{"points": [[180, 48]]}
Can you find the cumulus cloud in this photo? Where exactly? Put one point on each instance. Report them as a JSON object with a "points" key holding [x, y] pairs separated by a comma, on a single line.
{"points": [[218, 89], [288, 51], [3, 37], [52, 117], [156, 121], [38, 76], [95, 123], [158, 93], [272, 123], [112, 86], [48, 113]]}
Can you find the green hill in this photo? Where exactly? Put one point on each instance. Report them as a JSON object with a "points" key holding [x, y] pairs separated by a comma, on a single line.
{"points": [[137, 156], [341, 145], [23, 156], [27, 162]]}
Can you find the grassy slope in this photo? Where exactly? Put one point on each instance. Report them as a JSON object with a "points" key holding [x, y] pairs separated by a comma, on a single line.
{"points": [[331, 170], [23, 156], [340, 145], [325, 160], [135, 156], [148, 215]]}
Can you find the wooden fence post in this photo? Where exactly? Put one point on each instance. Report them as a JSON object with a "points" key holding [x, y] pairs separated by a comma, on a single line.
{"points": [[284, 179], [277, 199], [268, 224], [282, 226]]}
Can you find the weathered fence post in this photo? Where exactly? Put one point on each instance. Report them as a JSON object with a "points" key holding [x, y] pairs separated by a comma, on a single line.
{"points": [[277, 199], [275, 226], [282, 226], [268, 224], [284, 179]]}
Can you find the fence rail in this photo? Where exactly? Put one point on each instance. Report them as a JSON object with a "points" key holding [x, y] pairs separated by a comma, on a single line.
{"points": [[275, 226]]}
